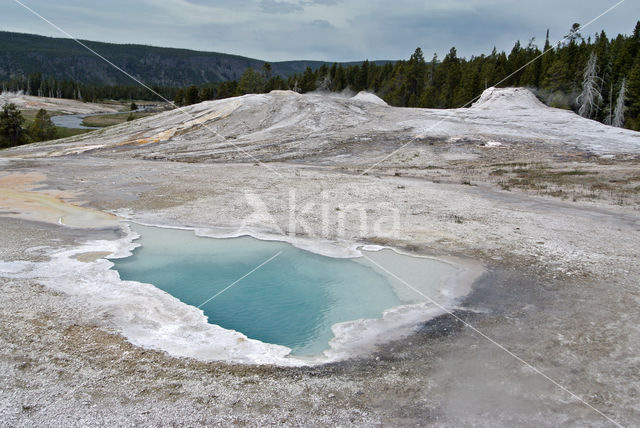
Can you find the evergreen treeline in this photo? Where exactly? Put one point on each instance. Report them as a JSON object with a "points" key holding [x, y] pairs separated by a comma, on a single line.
{"points": [[598, 78], [564, 77], [14, 133], [36, 84]]}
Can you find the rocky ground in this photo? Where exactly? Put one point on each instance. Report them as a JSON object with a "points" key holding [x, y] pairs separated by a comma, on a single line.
{"points": [[556, 225]]}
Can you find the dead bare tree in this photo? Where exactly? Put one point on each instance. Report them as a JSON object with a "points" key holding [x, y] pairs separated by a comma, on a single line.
{"points": [[618, 113], [590, 97]]}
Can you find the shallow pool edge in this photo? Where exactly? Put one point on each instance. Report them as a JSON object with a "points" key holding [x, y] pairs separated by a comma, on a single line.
{"points": [[151, 318], [359, 337]]}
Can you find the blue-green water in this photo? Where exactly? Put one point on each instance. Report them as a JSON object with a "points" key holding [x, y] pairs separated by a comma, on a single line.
{"points": [[293, 300]]}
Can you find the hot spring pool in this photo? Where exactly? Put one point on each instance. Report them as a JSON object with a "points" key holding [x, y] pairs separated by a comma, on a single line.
{"points": [[294, 299]]}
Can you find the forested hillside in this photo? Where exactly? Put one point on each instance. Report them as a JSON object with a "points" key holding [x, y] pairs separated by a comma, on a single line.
{"points": [[598, 77], [23, 55]]}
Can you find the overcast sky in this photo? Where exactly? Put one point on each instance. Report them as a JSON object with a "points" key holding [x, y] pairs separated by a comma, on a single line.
{"points": [[330, 30]]}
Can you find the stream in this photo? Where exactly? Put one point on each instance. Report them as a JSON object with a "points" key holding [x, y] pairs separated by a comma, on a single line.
{"points": [[75, 120]]}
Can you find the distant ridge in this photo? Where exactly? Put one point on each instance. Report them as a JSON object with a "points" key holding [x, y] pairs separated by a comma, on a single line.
{"points": [[22, 54]]}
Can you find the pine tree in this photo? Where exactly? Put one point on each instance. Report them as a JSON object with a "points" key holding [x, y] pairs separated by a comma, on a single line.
{"points": [[266, 71], [602, 50], [192, 96], [618, 112], [633, 98], [450, 70], [11, 131], [394, 90], [415, 76], [42, 128], [532, 73], [227, 89], [251, 82], [362, 77], [207, 94], [547, 43], [333, 71], [339, 79], [590, 98], [622, 60], [465, 91], [308, 82], [178, 99], [634, 40], [574, 34]]}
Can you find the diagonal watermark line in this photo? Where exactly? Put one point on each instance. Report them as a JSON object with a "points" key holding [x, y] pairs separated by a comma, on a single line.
{"points": [[381, 267], [239, 279], [494, 342], [138, 81], [393, 153], [548, 50]]}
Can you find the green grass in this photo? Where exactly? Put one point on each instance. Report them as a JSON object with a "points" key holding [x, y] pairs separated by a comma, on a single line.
{"points": [[29, 116], [573, 172], [70, 132], [112, 119], [567, 183]]}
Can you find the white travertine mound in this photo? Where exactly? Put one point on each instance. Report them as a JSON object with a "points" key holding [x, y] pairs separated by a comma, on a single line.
{"points": [[368, 97], [508, 98], [285, 125]]}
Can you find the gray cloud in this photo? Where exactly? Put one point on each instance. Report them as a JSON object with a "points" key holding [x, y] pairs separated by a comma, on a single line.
{"points": [[274, 6], [332, 30], [321, 23], [322, 2]]}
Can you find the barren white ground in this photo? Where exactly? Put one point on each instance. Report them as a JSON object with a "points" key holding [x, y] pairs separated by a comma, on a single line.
{"points": [[561, 290]]}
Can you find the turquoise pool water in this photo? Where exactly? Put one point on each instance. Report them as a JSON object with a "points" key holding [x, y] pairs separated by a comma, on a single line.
{"points": [[293, 300]]}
